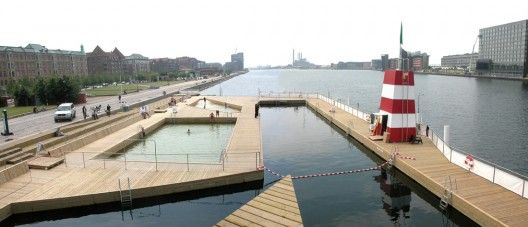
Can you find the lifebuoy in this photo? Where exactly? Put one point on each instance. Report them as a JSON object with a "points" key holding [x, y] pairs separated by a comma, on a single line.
{"points": [[469, 161]]}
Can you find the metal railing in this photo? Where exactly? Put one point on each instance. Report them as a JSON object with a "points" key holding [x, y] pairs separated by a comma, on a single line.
{"points": [[493, 172], [154, 162]]}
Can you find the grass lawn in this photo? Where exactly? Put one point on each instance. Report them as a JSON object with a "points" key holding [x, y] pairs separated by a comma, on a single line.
{"points": [[13, 111], [129, 88]]}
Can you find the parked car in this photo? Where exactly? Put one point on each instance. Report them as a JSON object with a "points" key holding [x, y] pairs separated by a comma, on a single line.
{"points": [[65, 111]]}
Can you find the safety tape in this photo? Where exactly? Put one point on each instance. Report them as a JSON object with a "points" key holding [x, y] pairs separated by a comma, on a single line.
{"points": [[339, 173]]}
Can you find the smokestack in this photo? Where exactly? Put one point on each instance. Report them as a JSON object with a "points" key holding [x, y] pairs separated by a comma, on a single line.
{"points": [[293, 56]]}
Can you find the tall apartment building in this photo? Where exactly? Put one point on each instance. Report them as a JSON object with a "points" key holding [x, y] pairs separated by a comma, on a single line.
{"points": [[104, 63], [238, 61], [136, 64], [385, 64], [460, 60], [503, 50], [36, 60]]}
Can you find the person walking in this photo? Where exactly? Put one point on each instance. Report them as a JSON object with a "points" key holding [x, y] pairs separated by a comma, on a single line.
{"points": [[84, 112], [119, 97], [218, 113], [108, 110]]}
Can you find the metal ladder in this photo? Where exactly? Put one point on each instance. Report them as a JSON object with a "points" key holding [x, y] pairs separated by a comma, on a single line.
{"points": [[125, 194], [445, 199]]}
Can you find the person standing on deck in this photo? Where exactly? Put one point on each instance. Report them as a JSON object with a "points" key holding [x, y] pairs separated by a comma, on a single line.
{"points": [[84, 112]]}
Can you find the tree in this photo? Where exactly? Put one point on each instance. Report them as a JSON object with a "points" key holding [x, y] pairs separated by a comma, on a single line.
{"points": [[41, 91]]}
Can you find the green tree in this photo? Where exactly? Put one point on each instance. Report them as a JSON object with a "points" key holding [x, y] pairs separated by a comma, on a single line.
{"points": [[40, 90]]}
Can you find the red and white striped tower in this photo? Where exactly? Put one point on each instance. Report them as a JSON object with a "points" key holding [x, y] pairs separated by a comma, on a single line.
{"points": [[397, 101]]}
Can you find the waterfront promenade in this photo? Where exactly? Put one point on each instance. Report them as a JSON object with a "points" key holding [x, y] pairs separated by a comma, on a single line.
{"points": [[486, 203], [86, 179]]}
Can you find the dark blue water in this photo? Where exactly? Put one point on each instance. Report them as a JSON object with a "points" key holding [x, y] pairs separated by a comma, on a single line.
{"points": [[296, 142], [487, 117]]}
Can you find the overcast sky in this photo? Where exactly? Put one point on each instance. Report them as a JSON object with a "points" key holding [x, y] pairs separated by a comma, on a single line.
{"points": [[325, 31]]}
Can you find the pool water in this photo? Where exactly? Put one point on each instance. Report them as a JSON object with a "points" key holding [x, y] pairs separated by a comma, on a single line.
{"points": [[200, 143], [215, 106]]}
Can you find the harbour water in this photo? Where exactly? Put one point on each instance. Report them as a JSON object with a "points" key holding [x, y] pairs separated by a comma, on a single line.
{"points": [[487, 117], [297, 142]]}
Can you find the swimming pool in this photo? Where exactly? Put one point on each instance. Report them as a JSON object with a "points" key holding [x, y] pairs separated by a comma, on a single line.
{"points": [[179, 143]]}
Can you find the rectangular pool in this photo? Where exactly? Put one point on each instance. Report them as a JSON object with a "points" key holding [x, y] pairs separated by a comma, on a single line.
{"points": [[179, 143]]}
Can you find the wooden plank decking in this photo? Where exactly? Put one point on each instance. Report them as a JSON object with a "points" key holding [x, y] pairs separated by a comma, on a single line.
{"points": [[484, 202], [277, 206], [85, 179]]}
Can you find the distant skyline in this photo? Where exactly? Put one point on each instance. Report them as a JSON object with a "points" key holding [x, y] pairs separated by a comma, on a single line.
{"points": [[266, 31]]}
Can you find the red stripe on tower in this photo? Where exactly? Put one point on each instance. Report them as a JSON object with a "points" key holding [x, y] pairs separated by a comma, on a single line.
{"points": [[397, 101]]}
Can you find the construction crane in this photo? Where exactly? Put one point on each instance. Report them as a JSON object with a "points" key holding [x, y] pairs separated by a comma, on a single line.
{"points": [[471, 58]]}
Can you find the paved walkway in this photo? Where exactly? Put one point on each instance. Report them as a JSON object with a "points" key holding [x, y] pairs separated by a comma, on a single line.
{"points": [[35, 123]]}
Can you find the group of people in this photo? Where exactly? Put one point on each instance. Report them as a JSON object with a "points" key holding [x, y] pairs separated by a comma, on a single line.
{"points": [[95, 110]]}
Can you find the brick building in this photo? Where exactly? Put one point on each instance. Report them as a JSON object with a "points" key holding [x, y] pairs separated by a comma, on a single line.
{"points": [[187, 63], [136, 64], [36, 60], [100, 62], [163, 65]]}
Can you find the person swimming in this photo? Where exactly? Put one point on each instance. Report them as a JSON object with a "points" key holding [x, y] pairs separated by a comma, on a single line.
{"points": [[189, 131]]}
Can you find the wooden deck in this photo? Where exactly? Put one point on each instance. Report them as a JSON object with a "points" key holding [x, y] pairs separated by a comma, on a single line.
{"points": [[277, 206], [484, 202], [86, 179]]}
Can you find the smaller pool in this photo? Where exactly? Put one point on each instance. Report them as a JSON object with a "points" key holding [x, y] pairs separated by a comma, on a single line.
{"points": [[200, 143], [215, 106]]}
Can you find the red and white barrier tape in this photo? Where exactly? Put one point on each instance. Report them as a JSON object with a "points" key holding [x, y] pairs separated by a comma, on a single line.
{"points": [[339, 173]]}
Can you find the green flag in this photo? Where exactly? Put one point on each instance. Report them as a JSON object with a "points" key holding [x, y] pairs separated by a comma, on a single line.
{"points": [[401, 33]]}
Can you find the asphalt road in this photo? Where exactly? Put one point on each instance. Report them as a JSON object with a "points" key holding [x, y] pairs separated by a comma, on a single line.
{"points": [[35, 123]]}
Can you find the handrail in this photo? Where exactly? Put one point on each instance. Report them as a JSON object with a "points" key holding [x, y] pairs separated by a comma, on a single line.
{"points": [[362, 115]]}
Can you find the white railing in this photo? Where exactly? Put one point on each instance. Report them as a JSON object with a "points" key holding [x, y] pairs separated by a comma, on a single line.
{"points": [[497, 174]]}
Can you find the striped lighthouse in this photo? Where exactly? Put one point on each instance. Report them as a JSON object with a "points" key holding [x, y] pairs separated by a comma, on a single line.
{"points": [[397, 101]]}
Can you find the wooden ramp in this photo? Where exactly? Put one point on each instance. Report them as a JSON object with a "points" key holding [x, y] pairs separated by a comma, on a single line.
{"points": [[277, 206]]}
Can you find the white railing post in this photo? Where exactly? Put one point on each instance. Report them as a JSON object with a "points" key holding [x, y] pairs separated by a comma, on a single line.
{"points": [[256, 160], [187, 162], [125, 163], [84, 165]]}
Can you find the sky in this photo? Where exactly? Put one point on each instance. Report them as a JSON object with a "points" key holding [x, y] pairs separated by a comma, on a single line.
{"points": [[325, 31]]}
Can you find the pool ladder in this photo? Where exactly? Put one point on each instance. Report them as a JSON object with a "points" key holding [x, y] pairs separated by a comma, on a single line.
{"points": [[125, 194], [449, 185]]}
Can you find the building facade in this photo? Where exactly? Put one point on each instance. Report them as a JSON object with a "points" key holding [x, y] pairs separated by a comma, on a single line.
{"points": [[352, 65], [418, 61], [163, 65], [460, 61], [104, 63], [503, 50], [238, 61], [136, 64], [187, 63], [376, 64], [385, 62], [36, 60]]}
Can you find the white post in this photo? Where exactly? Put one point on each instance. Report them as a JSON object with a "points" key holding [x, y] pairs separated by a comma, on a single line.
{"points": [[446, 134]]}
